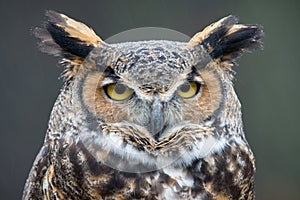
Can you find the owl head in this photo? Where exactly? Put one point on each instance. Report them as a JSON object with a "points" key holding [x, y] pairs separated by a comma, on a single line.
{"points": [[143, 105]]}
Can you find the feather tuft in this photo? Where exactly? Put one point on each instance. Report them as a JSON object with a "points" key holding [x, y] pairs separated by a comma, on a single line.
{"points": [[66, 38], [225, 40]]}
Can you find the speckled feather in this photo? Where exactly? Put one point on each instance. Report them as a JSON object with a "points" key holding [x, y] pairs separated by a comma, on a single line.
{"points": [[97, 148]]}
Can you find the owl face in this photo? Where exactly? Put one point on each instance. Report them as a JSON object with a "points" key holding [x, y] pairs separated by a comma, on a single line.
{"points": [[151, 94], [151, 85], [149, 104]]}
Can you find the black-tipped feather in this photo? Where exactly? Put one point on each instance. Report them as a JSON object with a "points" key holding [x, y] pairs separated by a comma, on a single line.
{"points": [[64, 37], [226, 40], [68, 43], [246, 38]]}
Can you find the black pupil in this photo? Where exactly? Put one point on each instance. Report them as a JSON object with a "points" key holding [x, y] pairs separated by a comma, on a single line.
{"points": [[185, 87], [120, 89]]}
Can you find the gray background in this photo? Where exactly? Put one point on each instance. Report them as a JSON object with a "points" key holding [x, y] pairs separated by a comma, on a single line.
{"points": [[267, 81]]}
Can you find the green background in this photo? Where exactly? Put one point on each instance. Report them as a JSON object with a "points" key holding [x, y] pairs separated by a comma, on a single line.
{"points": [[267, 81]]}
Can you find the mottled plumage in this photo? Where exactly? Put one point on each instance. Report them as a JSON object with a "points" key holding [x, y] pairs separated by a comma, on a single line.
{"points": [[145, 120]]}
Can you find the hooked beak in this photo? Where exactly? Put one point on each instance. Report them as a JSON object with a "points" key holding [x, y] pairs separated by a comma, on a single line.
{"points": [[157, 118]]}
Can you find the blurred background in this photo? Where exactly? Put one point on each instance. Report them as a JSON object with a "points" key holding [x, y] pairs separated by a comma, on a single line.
{"points": [[267, 81]]}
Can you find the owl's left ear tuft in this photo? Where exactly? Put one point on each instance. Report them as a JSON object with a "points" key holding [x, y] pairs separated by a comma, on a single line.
{"points": [[226, 40]]}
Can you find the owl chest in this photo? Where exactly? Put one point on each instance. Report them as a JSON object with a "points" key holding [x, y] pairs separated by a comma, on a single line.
{"points": [[62, 182], [75, 174]]}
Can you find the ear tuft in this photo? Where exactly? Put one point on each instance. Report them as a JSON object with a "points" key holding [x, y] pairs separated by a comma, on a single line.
{"points": [[63, 34], [67, 38], [226, 40]]}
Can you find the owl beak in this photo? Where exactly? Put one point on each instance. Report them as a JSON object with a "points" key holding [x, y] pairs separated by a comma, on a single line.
{"points": [[157, 118]]}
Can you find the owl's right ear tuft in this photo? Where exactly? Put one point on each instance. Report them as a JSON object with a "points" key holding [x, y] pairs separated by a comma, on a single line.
{"points": [[64, 37]]}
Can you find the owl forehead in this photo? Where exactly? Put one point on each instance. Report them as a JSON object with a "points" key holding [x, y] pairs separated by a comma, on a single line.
{"points": [[153, 65]]}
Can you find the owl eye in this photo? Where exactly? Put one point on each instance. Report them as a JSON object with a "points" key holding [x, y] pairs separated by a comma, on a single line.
{"points": [[188, 89], [118, 92]]}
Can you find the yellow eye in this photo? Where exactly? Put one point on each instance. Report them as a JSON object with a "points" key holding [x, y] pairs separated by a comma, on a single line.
{"points": [[188, 89], [118, 92]]}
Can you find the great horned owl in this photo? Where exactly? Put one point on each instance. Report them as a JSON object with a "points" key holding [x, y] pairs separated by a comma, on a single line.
{"points": [[145, 120]]}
